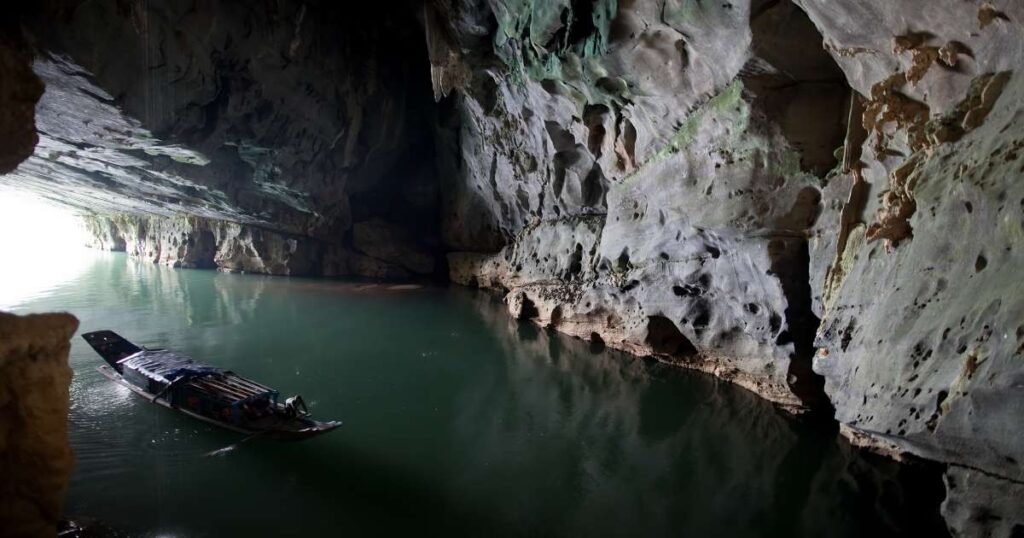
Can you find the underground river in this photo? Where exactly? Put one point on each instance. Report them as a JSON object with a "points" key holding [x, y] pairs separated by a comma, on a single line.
{"points": [[457, 420]]}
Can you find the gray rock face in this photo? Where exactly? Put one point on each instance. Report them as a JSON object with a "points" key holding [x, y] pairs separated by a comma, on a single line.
{"points": [[742, 195], [651, 182], [920, 342]]}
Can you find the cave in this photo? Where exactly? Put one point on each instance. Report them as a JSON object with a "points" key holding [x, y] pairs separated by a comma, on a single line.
{"points": [[805, 210]]}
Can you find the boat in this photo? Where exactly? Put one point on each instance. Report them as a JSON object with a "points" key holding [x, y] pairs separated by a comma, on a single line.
{"points": [[207, 393]]}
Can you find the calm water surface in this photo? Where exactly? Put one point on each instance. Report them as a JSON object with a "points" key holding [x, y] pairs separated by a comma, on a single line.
{"points": [[457, 421]]}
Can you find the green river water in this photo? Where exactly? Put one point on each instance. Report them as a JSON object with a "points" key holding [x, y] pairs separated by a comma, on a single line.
{"points": [[458, 421]]}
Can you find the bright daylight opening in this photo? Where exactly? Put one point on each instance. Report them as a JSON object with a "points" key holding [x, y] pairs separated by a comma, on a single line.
{"points": [[43, 245]]}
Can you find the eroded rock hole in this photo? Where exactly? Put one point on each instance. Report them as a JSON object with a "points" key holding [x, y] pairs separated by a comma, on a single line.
{"points": [[556, 317], [702, 316], [582, 21], [980, 263], [665, 339], [575, 262], [594, 118], [687, 290], [622, 263], [529, 310], [593, 190], [488, 95]]}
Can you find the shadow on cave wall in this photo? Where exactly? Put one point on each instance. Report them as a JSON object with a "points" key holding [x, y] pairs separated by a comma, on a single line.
{"points": [[806, 95]]}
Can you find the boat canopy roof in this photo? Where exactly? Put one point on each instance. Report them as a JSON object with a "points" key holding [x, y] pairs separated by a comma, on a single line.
{"points": [[170, 367], [167, 366]]}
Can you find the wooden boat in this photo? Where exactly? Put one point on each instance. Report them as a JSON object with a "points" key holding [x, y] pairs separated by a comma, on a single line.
{"points": [[204, 392]]}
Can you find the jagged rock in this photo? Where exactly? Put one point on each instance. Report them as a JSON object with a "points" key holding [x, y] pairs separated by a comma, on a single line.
{"points": [[35, 455], [922, 345], [252, 250]]}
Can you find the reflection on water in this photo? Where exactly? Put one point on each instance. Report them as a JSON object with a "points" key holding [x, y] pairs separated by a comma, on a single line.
{"points": [[457, 420], [24, 277]]}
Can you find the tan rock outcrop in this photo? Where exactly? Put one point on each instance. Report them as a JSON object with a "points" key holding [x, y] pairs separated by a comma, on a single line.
{"points": [[35, 455]]}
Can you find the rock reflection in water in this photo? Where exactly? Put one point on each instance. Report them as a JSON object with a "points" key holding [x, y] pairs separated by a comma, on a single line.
{"points": [[695, 454]]}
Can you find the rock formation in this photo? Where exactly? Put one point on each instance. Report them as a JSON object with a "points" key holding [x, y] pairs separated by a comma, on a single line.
{"points": [[35, 457], [812, 199], [652, 181], [705, 183]]}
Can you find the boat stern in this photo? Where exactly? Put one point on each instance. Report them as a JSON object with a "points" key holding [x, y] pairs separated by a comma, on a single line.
{"points": [[111, 346]]}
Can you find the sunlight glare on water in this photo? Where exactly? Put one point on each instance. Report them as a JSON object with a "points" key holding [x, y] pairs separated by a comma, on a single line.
{"points": [[42, 245]]}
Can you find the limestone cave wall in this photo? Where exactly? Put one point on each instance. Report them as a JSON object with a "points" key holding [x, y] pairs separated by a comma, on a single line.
{"points": [[652, 180], [816, 200]]}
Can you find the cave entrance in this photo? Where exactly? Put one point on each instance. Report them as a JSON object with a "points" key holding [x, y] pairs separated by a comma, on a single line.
{"points": [[42, 243]]}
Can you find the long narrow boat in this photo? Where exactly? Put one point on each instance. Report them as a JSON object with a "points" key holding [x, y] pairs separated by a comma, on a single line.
{"points": [[204, 392]]}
